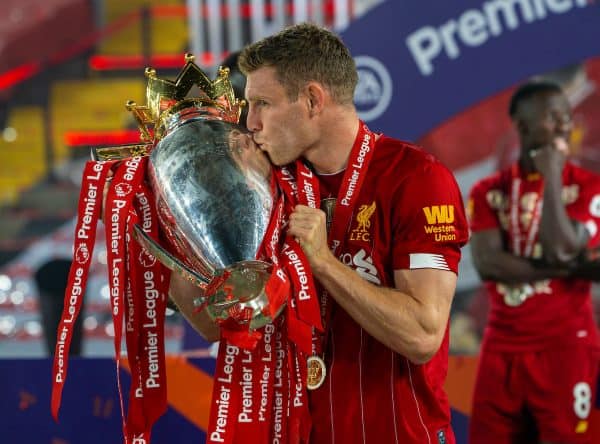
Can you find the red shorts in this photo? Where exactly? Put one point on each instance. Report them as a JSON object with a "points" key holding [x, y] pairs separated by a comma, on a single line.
{"points": [[537, 396]]}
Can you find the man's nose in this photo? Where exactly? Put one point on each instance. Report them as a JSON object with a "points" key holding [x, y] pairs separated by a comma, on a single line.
{"points": [[564, 123], [252, 121]]}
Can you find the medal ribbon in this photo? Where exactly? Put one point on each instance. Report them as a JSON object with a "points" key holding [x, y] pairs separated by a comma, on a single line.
{"points": [[264, 409], [88, 214], [259, 393], [523, 241], [303, 313], [352, 181]]}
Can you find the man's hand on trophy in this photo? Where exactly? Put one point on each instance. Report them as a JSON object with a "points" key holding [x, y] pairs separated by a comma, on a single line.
{"points": [[309, 227], [183, 294]]}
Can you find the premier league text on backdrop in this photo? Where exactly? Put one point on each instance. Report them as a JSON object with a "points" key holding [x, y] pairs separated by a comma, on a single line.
{"points": [[474, 27]]}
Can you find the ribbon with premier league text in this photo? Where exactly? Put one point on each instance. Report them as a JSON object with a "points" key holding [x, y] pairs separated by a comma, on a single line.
{"points": [[259, 392], [138, 289], [89, 208]]}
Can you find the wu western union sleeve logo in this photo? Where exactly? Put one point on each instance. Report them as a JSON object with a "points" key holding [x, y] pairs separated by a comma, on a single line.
{"points": [[439, 214], [439, 222], [363, 219]]}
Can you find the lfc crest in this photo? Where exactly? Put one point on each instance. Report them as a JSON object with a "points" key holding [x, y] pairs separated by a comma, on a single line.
{"points": [[363, 219]]}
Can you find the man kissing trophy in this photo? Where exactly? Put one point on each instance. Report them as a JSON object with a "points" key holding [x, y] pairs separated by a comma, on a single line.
{"points": [[198, 198]]}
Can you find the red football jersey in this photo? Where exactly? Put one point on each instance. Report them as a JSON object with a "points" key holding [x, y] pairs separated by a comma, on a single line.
{"points": [[409, 215], [554, 312]]}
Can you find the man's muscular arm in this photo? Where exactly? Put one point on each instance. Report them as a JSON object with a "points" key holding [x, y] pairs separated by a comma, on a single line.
{"points": [[494, 263], [411, 319]]}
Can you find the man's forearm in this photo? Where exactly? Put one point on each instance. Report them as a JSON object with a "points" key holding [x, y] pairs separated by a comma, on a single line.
{"points": [[587, 270], [183, 293], [561, 241], [412, 327], [587, 266], [510, 269]]}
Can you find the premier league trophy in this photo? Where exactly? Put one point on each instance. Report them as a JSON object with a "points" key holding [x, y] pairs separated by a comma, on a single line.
{"points": [[213, 190]]}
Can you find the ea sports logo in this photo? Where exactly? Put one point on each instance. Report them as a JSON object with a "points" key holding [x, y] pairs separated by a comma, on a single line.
{"points": [[146, 260], [374, 90], [123, 189], [82, 254]]}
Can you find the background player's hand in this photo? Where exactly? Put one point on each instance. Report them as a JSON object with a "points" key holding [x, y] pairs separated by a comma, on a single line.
{"points": [[309, 227], [550, 159]]}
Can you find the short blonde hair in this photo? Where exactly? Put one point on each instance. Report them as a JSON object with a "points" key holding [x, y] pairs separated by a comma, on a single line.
{"points": [[304, 53]]}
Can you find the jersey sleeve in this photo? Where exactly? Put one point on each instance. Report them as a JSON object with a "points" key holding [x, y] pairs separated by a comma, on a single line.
{"points": [[481, 215], [430, 225]]}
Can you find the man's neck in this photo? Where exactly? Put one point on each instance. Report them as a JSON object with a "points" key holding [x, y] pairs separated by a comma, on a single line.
{"points": [[336, 141], [526, 163]]}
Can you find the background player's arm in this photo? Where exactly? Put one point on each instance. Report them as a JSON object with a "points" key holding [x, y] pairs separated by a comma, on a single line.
{"points": [[183, 293], [587, 266], [494, 263], [587, 270], [562, 239]]}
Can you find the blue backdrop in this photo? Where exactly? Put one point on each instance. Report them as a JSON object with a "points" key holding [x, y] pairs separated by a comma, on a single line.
{"points": [[442, 56]]}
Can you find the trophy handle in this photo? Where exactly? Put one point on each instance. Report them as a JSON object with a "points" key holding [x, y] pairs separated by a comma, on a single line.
{"points": [[167, 259], [120, 152]]}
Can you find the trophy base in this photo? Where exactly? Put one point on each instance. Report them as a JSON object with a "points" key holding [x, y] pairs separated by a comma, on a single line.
{"points": [[241, 295], [236, 292]]}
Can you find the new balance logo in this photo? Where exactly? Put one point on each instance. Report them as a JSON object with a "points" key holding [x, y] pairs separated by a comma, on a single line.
{"points": [[365, 268], [439, 214], [362, 263]]}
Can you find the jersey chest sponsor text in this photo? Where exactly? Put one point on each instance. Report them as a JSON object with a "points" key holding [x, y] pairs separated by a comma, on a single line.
{"points": [[363, 264]]}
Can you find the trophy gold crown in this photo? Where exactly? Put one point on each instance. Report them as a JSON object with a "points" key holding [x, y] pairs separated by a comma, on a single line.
{"points": [[166, 98]]}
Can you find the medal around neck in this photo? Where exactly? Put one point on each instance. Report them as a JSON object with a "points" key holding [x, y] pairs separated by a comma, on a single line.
{"points": [[315, 376], [212, 187]]}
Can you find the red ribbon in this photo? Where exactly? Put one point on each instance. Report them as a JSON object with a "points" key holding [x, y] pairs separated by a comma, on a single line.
{"points": [[138, 290], [88, 214]]}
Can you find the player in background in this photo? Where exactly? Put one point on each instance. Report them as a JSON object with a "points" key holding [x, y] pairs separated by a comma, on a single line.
{"points": [[532, 225]]}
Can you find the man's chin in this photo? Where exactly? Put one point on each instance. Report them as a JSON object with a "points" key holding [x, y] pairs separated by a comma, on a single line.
{"points": [[279, 160], [273, 161]]}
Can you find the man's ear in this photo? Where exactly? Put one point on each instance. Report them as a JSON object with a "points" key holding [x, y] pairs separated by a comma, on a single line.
{"points": [[315, 96], [520, 125]]}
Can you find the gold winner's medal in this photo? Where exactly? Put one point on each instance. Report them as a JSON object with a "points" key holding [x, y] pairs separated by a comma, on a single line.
{"points": [[514, 298], [514, 295], [316, 372]]}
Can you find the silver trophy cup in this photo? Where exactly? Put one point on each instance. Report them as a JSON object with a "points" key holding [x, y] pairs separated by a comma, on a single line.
{"points": [[214, 199], [214, 194]]}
